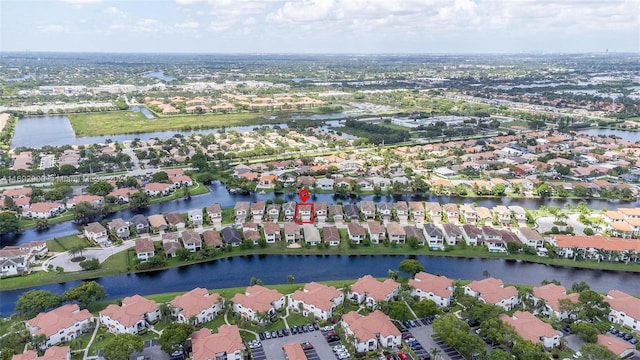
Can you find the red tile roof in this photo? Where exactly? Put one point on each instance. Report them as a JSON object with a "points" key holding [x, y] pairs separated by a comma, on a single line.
{"points": [[439, 285], [528, 326]]}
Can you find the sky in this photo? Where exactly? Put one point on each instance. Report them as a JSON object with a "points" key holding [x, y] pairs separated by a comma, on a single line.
{"points": [[321, 26]]}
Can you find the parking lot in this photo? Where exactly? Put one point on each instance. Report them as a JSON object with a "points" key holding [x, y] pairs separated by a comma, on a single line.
{"points": [[272, 348]]}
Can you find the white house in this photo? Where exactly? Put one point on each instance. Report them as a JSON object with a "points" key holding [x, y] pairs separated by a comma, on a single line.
{"points": [[96, 232], [369, 291], [625, 309], [492, 291], [529, 327], [258, 300], [439, 289], [61, 324], [317, 299], [551, 294], [145, 249], [198, 305], [226, 344], [134, 315], [371, 332]]}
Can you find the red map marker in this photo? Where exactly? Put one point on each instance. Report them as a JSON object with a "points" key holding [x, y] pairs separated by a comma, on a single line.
{"points": [[304, 195]]}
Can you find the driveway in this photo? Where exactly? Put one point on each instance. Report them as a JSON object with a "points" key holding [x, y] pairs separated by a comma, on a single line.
{"points": [[64, 259], [574, 342]]}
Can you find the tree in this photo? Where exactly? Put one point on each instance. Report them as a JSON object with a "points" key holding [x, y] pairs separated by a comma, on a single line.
{"points": [[6, 353], [527, 350], [160, 177], [9, 223], [498, 332], [33, 302], [100, 188], [498, 189], [580, 286], [255, 281], [588, 332], [86, 293], [122, 346], [91, 264], [596, 352], [498, 354], [399, 311], [410, 266], [425, 307], [9, 203], [413, 242], [78, 249], [173, 336], [290, 279], [479, 312], [42, 224], [84, 212], [138, 200]]}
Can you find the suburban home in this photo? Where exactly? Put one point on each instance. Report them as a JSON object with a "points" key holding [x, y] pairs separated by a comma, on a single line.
{"points": [[197, 306], [273, 212], [396, 233], [519, 214], [289, 210], [311, 234], [621, 348], [157, 189], [170, 244], [377, 233], [158, 223], [469, 213], [140, 223], [145, 249], [435, 211], [231, 236], [472, 235], [335, 213], [215, 213], [434, 236], [96, 232], [484, 216], [122, 194], [317, 299], [417, 211], [134, 315], [195, 216], [226, 344], [369, 291], [438, 289], [385, 210], [529, 237], [256, 302], [402, 211], [212, 238], [368, 209], [492, 291], [271, 232], [257, 210], [176, 221], [493, 239], [550, 295], [412, 231], [291, 232], [120, 228], [321, 211], [60, 324], [241, 210], [371, 332], [529, 327], [351, 211], [43, 210], [452, 233], [625, 309], [325, 184], [356, 232], [305, 213], [451, 210], [331, 235], [14, 266], [191, 240], [52, 353], [503, 214], [94, 200]]}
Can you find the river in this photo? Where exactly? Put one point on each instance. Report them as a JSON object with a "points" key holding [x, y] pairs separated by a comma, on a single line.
{"points": [[274, 269], [631, 136], [219, 193]]}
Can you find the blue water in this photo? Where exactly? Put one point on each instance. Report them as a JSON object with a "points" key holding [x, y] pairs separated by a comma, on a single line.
{"points": [[148, 114], [160, 76], [274, 269]]}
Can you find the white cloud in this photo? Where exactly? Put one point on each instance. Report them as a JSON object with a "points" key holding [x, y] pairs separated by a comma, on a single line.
{"points": [[148, 26], [188, 25], [116, 12], [51, 28]]}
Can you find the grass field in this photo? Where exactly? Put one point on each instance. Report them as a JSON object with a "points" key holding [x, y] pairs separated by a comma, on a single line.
{"points": [[128, 122], [65, 243]]}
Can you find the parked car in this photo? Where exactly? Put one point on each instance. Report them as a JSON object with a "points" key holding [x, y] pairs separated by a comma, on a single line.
{"points": [[307, 346], [633, 341], [614, 331], [261, 335], [628, 337]]}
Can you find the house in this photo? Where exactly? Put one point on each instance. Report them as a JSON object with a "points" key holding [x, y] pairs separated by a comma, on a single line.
{"points": [[625, 309], [529, 237], [369, 291], [212, 238], [433, 236], [311, 234], [226, 344], [271, 232], [438, 289], [503, 214], [417, 211], [335, 213], [435, 211], [325, 184], [331, 235], [256, 302], [452, 234], [273, 212], [195, 216], [231, 236], [158, 223], [157, 189], [289, 210], [356, 232], [451, 210], [170, 244], [140, 224], [469, 213], [529, 327], [413, 232], [120, 228], [305, 213], [13, 266], [176, 221], [197, 306], [93, 200], [368, 209], [385, 210], [402, 211], [321, 211], [492, 238], [145, 249], [376, 231], [257, 210], [551, 294], [351, 212], [492, 291], [484, 216], [60, 324], [316, 299], [132, 316], [619, 347], [122, 194], [96, 232], [215, 213], [291, 232], [371, 332], [267, 181], [396, 233], [42, 210], [52, 353], [241, 210], [293, 351], [519, 214], [191, 240], [472, 235]]}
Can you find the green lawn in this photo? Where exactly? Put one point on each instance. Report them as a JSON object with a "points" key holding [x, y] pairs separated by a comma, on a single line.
{"points": [[65, 243]]}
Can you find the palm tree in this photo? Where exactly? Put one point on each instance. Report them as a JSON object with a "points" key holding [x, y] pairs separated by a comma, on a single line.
{"points": [[434, 352]]}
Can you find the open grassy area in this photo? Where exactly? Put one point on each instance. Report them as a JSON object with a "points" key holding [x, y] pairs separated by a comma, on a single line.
{"points": [[129, 122], [65, 243]]}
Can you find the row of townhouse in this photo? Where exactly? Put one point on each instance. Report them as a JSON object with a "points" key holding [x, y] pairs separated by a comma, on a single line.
{"points": [[596, 247], [17, 259]]}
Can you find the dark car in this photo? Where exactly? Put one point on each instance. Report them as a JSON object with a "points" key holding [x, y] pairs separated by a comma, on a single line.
{"points": [[614, 331], [333, 338], [307, 346], [628, 337], [621, 334], [286, 332], [294, 330], [261, 336], [633, 341], [310, 327], [315, 326], [280, 333]]}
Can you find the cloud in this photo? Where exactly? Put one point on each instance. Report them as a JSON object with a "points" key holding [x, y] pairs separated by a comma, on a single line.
{"points": [[82, 2], [116, 12], [148, 26], [187, 25], [51, 28]]}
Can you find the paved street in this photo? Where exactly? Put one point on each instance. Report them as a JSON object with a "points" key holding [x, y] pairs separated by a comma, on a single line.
{"points": [[64, 259]]}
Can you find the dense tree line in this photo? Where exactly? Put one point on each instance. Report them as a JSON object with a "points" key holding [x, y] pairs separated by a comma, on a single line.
{"points": [[377, 134]]}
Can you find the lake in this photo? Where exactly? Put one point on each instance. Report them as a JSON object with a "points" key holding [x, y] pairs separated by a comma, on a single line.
{"points": [[274, 269], [219, 193], [631, 136], [160, 76]]}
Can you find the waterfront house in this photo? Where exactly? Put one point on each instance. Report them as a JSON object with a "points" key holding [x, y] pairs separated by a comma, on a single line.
{"points": [[212, 238], [417, 211], [170, 244], [289, 210], [519, 214], [157, 189], [231, 236], [195, 216], [158, 223], [215, 213], [368, 209], [316, 299], [484, 216], [368, 291], [291, 232], [469, 213], [351, 212], [492, 291], [122, 194], [191, 240], [452, 234], [625, 309], [529, 327], [96, 232], [438, 289], [241, 210], [376, 231], [131, 317], [176, 221], [119, 228], [258, 300], [433, 236], [412, 231], [371, 332], [321, 211], [273, 212], [356, 232], [226, 344], [60, 324], [331, 235], [402, 211], [385, 210], [397, 234], [311, 234], [145, 249], [451, 210], [257, 210], [335, 213], [42, 210], [305, 213], [472, 235], [198, 305], [550, 295], [140, 224], [435, 211], [93, 200], [271, 232], [529, 237], [503, 214]]}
